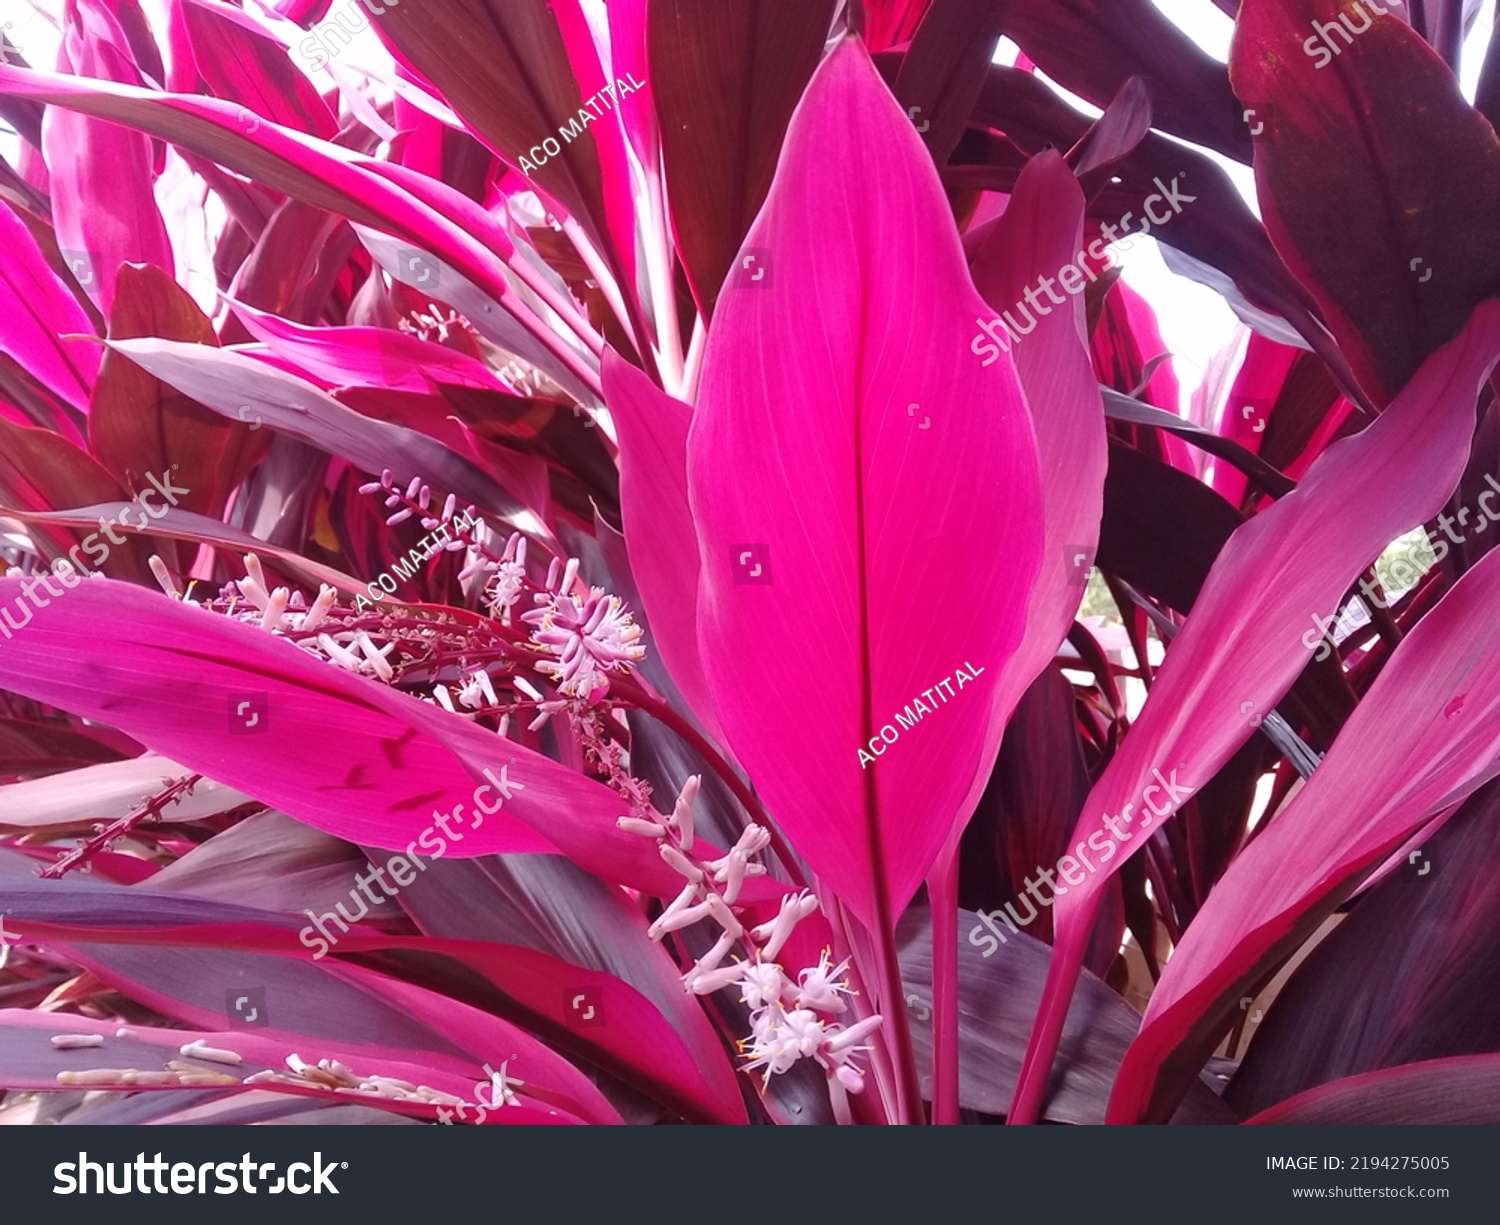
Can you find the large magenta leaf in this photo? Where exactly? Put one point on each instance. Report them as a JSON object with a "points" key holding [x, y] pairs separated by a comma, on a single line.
{"points": [[171, 675], [852, 466], [1252, 630], [1425, 735], [659, 531]]}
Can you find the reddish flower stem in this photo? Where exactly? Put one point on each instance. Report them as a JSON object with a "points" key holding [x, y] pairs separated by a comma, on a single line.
{"points": [[150, 809]]}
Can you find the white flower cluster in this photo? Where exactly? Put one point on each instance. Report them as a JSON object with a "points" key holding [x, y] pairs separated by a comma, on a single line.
{"points": [[789, 1020]]}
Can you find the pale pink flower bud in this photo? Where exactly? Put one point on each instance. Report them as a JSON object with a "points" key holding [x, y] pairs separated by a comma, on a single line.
{"points": [[682, 812], [340, 656], [734, 875], [844, 1039], [778, 931], [681, 863], [316, 615], [711, 959], [723, 916], [163, 576], [647, 829], [275, 612], [676, 922], [713, 980]]}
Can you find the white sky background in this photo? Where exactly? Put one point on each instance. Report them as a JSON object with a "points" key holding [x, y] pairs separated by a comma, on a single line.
{"points": [[1195, 322]]}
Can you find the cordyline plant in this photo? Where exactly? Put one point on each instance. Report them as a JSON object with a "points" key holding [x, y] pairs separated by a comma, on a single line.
{"points": [[545, 545]]}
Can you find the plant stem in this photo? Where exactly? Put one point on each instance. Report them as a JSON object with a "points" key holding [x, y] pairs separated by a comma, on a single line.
{"points": [[638, 696]]}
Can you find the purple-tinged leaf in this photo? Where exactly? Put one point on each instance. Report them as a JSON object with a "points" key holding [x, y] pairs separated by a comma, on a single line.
{"points": [[1383, 123], [243, 389], [1464, 1091], [997, 995], [1407, 976], [1252, 631], [240, 63], [1425, 735], [139, 425], [726, 81]]}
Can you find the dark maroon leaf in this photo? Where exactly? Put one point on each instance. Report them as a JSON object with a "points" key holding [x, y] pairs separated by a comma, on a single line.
{"points": [[726, 79]]}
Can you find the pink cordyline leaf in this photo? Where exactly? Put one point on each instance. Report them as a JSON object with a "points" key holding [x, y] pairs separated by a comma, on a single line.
{"points": [[576, 924], [239, 62], [167, 677], [102, 201], [1247, 411], [1445, 1092], [35, 313], [1425, 735], [890, 23], [628, 28], [179, 524], [853, 472], [1040, 232], [377, 357], [230, 382], [388, 199], [658, 521], [1251, 630], [407, 1022], [128, 936]]}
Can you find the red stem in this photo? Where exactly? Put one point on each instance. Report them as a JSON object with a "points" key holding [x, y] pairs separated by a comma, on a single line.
{"points": [[942, 893], [638, 696]]}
